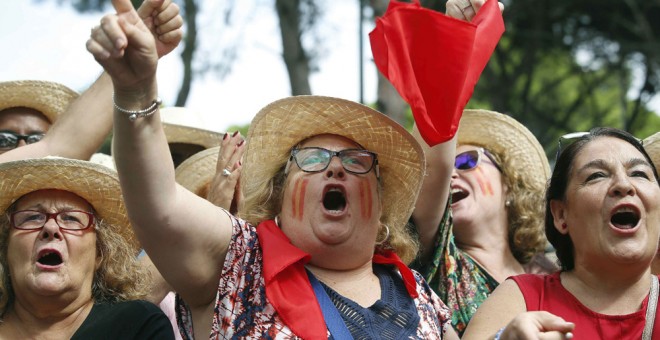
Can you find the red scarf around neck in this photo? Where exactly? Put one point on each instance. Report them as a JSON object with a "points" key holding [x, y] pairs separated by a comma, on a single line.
{"points": [[288, 289]]}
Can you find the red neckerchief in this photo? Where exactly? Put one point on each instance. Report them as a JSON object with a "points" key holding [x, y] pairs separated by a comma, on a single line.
{"points": [[288, 288], [434, 61]]}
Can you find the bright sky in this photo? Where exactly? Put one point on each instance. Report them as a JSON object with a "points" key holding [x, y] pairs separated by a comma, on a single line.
{"points": [[47, 42]]}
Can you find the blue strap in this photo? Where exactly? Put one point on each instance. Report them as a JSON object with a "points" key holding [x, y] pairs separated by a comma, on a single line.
{"points": [[333, 320]]}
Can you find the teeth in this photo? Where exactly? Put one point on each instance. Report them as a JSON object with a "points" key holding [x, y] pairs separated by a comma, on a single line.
{"points": [[624, 210], [457, 190]]}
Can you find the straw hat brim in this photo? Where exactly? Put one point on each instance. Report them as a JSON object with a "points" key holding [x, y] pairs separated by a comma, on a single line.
{"points": [[652, 147], [196, 172], [190, 135], [284, 123], [95, 183], [49, 98], [502, 134]]}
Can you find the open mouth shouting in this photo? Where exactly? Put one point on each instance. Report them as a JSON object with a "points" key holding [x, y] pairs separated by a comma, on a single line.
{"points": [[458, 194], [49, 258], [334, 200], [625, 217]]}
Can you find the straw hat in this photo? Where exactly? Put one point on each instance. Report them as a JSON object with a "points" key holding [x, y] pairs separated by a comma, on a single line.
{"points": [[652, 147], [97, 184], [284, 123], [502, 134], [196, 172], [49, 98], [182, 125]]}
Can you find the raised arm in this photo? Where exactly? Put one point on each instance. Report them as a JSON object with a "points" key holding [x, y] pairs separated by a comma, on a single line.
{"points": [[432, 200], [81, 130], [185, 236]]}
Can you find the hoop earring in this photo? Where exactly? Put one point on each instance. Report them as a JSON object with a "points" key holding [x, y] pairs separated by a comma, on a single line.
{"points": [[387, 235], [277, 221]]}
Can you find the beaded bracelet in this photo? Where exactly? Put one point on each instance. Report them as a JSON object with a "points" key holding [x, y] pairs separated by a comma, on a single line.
{"points": [[135, 114], [499, 333]]}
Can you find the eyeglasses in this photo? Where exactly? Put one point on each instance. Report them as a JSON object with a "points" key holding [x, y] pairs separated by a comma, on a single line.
{"points": [[469, 160], [315, 159], [570, 138], [67, 220], [9, 140]]}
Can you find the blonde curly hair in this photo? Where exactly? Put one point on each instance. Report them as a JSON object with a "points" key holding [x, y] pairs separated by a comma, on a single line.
{"points": [[119, 277], [525, 210]]}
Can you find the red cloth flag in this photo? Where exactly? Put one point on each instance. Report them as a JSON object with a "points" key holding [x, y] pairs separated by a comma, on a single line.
{"points": [[434, 61]]}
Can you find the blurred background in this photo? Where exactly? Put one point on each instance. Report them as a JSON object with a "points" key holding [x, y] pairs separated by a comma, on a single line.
{"points": [[561, 66]]}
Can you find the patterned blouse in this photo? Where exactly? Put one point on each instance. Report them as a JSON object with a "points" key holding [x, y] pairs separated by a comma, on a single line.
{"points": [[457, 278], [242, 309]]}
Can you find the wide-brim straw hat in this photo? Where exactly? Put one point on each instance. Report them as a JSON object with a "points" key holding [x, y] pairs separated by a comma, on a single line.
{"points": [[49, 98], [95, 183], [196, 172], [652, 147], [502, 135], [284, 123], [182, 125]]}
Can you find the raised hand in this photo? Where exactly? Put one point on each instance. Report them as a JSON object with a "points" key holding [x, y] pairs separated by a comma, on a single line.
{"points": [[163, 19], [224, 188], [465, 9], [126, 48]]}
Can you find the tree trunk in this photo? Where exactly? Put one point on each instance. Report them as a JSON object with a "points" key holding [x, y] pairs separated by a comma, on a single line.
{"points": [[295, 57], [190, 41]]}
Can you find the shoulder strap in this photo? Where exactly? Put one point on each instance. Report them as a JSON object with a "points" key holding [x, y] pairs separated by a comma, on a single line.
{"points": [[333, 320], [650, 309]]}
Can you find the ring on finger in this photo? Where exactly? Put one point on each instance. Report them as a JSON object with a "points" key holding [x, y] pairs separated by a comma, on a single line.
{"points": [[226, 172]]}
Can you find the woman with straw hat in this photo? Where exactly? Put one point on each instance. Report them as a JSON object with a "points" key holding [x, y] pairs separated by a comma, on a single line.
{"points": [[317, 253], [68, 265], [491, 223], [27, 110]]}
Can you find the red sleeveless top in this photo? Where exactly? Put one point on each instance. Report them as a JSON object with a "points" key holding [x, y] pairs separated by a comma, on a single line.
{"points": [[546, 293]]}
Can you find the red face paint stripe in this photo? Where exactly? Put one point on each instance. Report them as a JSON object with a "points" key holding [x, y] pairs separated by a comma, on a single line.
{"points": [[301, 199], [483, 184], [369, 202], [293, 198]]}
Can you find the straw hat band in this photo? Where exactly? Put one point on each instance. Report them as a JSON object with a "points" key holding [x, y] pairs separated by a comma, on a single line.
{"points": [[652, 147], [502, 134], [49, 98], [95, 183]]}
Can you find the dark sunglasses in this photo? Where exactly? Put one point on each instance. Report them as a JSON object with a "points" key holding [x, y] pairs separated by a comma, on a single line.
{"points": [[9, 140], [469, 160], [315, 159]]}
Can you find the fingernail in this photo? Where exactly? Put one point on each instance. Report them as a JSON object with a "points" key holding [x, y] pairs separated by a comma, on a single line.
{"points": [[241, 143], [225, 136], [235, 133]]}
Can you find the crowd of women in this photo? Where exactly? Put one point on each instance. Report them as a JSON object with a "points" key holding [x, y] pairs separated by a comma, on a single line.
{"points": [[329, 220]]}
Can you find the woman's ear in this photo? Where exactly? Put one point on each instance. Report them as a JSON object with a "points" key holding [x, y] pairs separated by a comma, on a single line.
{"points": [[558, 210]]}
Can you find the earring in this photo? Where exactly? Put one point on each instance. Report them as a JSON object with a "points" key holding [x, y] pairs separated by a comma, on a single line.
{"points": [[387, 235], [277, 221], [564, 226], [507, 203]]}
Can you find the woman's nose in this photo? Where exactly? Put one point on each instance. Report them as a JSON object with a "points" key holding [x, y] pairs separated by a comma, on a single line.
{"points": [[335, 168], [51, 230]]}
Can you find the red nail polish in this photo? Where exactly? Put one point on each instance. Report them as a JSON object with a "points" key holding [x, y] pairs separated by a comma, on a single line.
{"points": [[225, 136], [241, 143], [235, 133]]}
